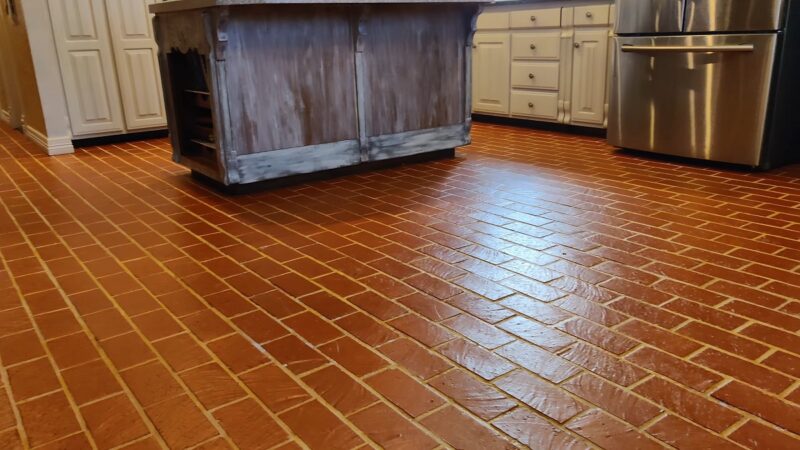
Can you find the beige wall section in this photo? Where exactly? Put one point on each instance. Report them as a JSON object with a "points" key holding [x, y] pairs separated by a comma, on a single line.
{"points": [[19, 52]]}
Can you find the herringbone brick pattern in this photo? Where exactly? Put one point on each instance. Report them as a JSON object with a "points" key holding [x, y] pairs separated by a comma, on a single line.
{"points": [[539, 290]]}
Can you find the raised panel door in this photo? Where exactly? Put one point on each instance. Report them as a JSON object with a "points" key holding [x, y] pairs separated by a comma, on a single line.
{"points": [[590, 60], [136, 56], [490, 72]]}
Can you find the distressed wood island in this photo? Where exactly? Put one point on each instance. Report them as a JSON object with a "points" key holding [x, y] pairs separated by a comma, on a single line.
{"points": [[263, 89]]}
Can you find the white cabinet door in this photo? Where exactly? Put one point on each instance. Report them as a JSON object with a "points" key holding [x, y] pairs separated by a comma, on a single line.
{"points": [[136, 55], [491, 62], [87, 66], [589, 67]]}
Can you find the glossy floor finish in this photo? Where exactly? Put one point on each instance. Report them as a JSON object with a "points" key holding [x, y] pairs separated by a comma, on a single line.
{"points": [[539, 290]]}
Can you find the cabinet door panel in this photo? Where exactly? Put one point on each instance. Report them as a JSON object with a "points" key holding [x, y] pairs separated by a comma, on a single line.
{"points": [[87, 66], [136, 55], [490, 72], [589, 68]]}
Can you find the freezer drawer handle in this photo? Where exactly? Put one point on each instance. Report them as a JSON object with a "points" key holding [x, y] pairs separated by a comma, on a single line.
{"points": [[688, 48]]}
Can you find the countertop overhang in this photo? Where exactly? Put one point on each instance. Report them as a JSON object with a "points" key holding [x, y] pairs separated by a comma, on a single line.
{"points": [[184, 5]]}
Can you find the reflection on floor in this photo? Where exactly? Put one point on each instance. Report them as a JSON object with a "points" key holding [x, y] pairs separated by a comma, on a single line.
{"points": [[539, 290]]}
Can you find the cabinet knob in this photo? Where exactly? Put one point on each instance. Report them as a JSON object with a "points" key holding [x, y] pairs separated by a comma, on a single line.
{"points": [[589, 14], [577, 45], [533, 18], [474, 46], [531, 76], [533, 46], [530, 104]]}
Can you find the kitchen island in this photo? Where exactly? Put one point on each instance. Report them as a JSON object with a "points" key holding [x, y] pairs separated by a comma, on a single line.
{"points": [[264, 89]]}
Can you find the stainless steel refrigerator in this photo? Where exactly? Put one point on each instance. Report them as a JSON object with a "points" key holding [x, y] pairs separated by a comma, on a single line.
{"points": [[710, 79]]}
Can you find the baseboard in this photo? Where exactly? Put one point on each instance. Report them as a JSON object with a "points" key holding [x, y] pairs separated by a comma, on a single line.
{"points": [[52, 145]]}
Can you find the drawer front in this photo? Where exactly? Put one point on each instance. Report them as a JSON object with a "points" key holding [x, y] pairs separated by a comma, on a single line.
{"points": [[538, 75], [536, 18], [591, 15], [492, 21], [543, 105], [545, 45]]}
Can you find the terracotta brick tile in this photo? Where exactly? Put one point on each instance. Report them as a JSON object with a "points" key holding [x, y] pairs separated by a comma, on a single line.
{"points": [[127, 350], [107, 323], [628, 273], [541, 396], [90, 381], [408, 394], [48, 418], [607, 432], [313, 329], [747, 294], [394, 268], [237, 353], [377, 306], [591, 310], [428, 306], [597, 335], [32, 378], [433, 286], [319, 428], [230, 303], [15, 348], [57, 324], [340, 390], [658, 338], [274, 388], [494, 312], [212, 385], [206, 325], [278, 304], [391, 430], [768, 316], [484, 334], [266, 268], [294, 284], [705, 314], [387, 286], [157, 324], [638, 291], [326, 304], [536, 333], [307, 267], [438, 268], [484, 287], [69, 350], [485, 270], [621, 403], [784, 362], [475, 359], [771, 409], [132, 303], [237, 420], [480, 399], [689, 292], [743, 370], [462, 431], [676, 369], [443, 253], [35, 282], [682, 434], [353, 356], [7, 418], [181, 302], [643, 311], [366, 329], [534, 432], [180, 422], [758, 436], [151, 383], [691, 406], [48, 301], [427, 333], [260, 327], [723, 340], [113, 421], [604, 364], [414, 358], [351, 267], [181, 352]]}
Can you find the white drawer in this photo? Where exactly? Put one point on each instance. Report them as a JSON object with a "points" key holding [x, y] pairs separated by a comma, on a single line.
{"points": [[543, 105], [536, 18], [492, 21], [591, 15], [536, 45], [538, 75]]}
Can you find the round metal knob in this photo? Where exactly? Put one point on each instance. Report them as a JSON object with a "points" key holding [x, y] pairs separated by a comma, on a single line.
{"points": [[577, 45], [533, 18], [530, 104], [531, 76], [589, 14], [474, 46], [533, 46]]}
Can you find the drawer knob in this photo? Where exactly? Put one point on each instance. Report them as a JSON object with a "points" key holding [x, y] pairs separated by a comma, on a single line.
{"points": [[533, 46], [530, 104], [589, 14], [533, 18], [577, 45], [531, 76]]}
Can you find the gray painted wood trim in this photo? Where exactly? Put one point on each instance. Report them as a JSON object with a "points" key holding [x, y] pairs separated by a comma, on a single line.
{"points": [[362, 102], [183, 5], [292, 161], [166, 86], [397, 145], [473, 27]]}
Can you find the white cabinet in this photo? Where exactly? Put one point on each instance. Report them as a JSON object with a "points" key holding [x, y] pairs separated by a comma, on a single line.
{"points": [[108, 64], [490, 72], [589, 69], [555, 68]]}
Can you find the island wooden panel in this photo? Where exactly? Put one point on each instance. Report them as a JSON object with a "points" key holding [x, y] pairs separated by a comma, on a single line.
{"points": [[299, 88]]}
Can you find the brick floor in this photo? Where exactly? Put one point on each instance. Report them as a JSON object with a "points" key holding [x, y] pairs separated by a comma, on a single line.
{"points": [[539, 290]]}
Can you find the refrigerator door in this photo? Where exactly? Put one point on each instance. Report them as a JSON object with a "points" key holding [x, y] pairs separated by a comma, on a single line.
{"points": [[707, 16], [702, 96], [649, 16]]}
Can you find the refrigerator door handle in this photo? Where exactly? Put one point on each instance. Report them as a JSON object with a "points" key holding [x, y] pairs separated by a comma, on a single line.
{"points": [[688, 48]]}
